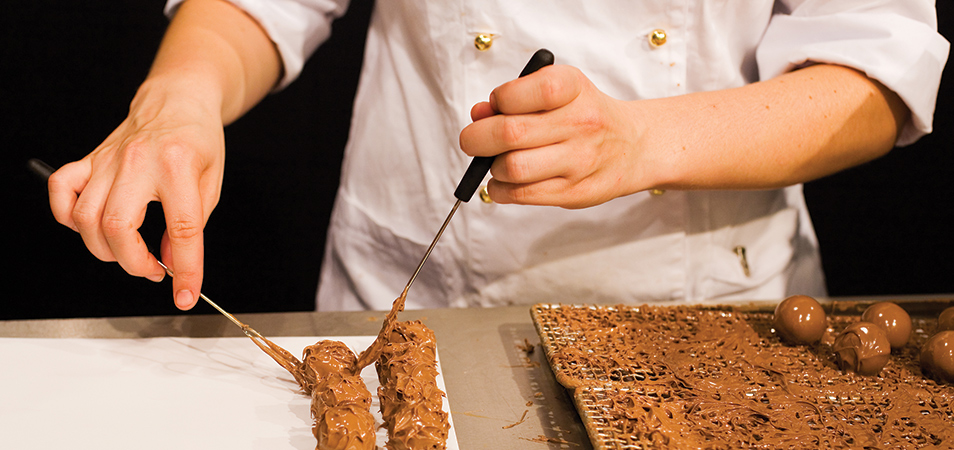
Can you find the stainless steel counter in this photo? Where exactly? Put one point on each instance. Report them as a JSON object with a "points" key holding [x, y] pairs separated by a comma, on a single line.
{"points": [[491, 380]]}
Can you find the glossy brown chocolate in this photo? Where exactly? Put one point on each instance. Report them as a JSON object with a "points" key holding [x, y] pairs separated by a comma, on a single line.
{"points": [[937, 356], [411, 402], [323, 359], [800, 319], [893, 319], [341, 407], [862, 348], [945, 321]]}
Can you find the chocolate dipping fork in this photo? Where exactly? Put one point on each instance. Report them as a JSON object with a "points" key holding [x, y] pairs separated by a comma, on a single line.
{"points": [[44, 170], [478, 167]]}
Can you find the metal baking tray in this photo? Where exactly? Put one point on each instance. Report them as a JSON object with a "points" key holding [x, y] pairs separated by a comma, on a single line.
{"points": [[647, 382]]}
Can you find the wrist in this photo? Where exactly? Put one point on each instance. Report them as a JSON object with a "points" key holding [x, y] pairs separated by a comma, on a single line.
{"points": [[159, 93]]}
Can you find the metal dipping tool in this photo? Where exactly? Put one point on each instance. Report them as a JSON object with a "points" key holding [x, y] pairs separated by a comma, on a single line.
{"points": [[478, 168]]}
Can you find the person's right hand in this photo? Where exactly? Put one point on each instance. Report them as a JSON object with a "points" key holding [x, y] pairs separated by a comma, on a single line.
{"points": [[169, 149]]}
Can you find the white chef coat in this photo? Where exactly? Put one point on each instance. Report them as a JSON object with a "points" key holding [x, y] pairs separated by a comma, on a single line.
{"points": [[422, 72]]}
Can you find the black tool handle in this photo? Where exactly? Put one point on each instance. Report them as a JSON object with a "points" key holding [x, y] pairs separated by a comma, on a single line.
{"points": [[41, 169], [481, 164]]}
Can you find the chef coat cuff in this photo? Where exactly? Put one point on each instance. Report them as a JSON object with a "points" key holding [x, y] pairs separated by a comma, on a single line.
{"points": [[905, 54], [295, 27]]}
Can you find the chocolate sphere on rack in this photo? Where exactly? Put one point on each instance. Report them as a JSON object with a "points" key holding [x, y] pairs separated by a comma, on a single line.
{"points": [[937, 356], [893, 319], [945, 321], [862, 348], [800, 319]]}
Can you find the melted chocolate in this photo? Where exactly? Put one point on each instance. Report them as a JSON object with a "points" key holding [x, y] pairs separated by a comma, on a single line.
{"points": [[323, 359], [891, 318], [411, 402], [862, 348], [704, 377], [340, 402], [373, 352], [341, 407], [800, 319], [937, 356]]}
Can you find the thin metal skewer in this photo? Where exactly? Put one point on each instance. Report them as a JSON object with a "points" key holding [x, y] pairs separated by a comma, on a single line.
{"points": [[249, 331], [433, 243]]}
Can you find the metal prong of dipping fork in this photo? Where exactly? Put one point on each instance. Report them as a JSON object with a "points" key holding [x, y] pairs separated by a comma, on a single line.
{"points": [[249, 331]]}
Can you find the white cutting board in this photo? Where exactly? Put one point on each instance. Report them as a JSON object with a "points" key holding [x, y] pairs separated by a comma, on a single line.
{"points": [[159, 393]]}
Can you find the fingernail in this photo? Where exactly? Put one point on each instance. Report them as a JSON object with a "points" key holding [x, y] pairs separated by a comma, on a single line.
{"points": [[493, 101], [184, 299], [156, 278]]}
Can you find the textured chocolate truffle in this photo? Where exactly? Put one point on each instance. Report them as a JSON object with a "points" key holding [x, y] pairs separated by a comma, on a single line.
{"points": [[937, 356], [862, 348], [800, 319], [945, 321], [893, 319]]}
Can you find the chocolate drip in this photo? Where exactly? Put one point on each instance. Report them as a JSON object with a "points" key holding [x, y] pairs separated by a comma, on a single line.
{"points": [[373, 352], [410, 399]]}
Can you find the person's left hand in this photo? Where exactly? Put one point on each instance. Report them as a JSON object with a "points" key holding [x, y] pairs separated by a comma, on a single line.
{"points": [[559, 141]]}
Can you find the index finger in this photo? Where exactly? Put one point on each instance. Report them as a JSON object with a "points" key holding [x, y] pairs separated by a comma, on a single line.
{"points": [[184, 223], [546, 89]]}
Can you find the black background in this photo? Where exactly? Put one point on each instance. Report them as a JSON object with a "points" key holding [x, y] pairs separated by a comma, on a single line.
{"points": [[69, 70]]}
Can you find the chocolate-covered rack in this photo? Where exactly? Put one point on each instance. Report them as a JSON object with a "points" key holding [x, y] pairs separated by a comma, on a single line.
{"points": [[694, 376]]}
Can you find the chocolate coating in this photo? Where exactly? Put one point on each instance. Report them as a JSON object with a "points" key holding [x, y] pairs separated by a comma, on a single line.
{"points": [[937, 356], [862, 348], [800, 319], [893, 319], [345, 427], [945, 321], [411, 402], [323, 359]]}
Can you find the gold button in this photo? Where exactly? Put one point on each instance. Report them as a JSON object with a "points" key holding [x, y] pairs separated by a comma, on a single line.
{"points": [[657, 191], [484, 195], [483, 42], [657, 37]]}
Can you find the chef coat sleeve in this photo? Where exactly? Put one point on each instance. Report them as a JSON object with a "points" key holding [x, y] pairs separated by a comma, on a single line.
{"points": [[893, 41], [295, 27]]}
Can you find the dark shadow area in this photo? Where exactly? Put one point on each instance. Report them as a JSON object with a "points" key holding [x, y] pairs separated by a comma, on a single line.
{"points": [[69, 72]]}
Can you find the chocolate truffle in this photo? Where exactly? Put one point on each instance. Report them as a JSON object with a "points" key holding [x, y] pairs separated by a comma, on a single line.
{"points": [[893, 319], [937, 356], [862, 348], [945, 321], [800, 319]]}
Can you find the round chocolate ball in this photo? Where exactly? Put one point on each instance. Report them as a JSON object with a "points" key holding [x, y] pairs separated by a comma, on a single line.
{"points": [[862, 348], [893, 319], [937, 356], [800, 319], [945, 321]]}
